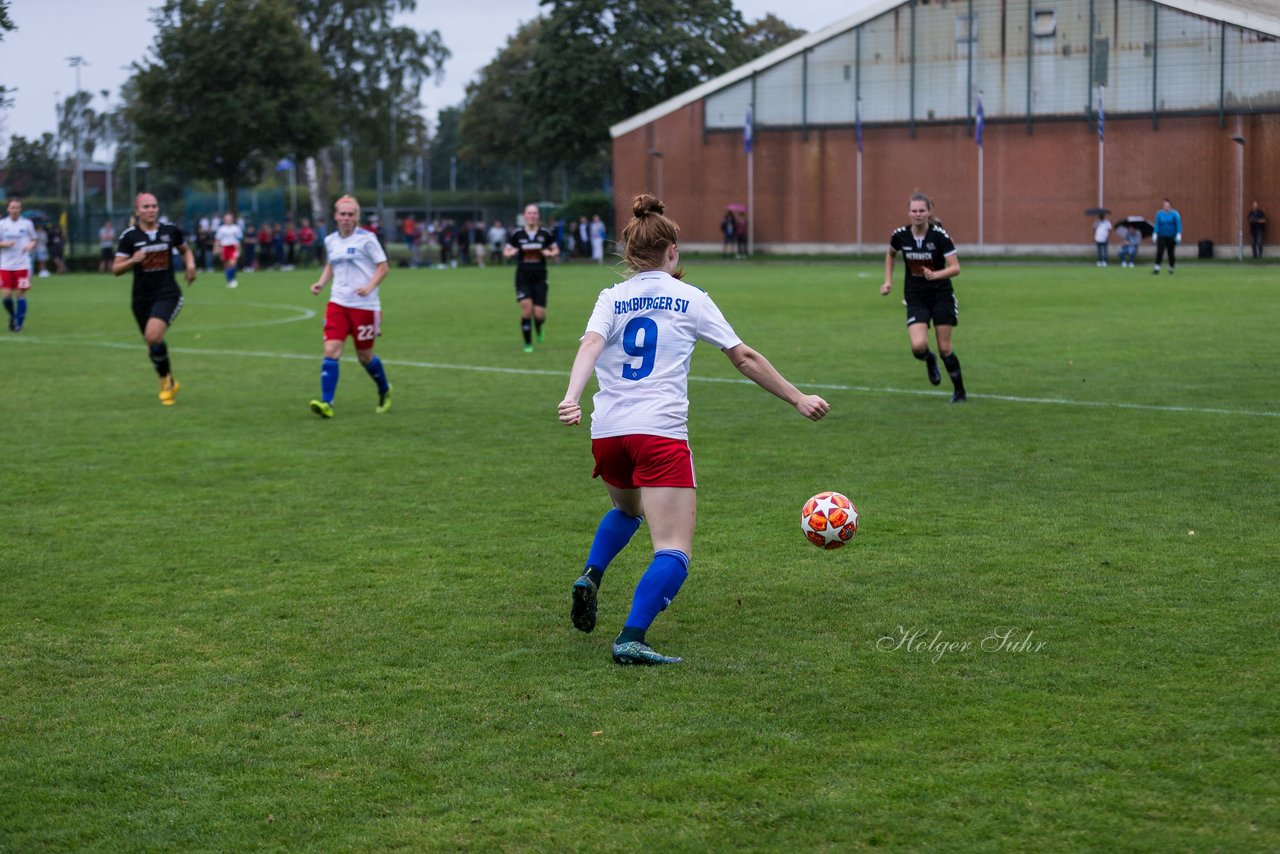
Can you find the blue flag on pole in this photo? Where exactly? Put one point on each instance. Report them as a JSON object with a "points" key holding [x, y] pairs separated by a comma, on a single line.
{"points": [[1099, 114], [857, 122], [746, 133], [978, 125]]}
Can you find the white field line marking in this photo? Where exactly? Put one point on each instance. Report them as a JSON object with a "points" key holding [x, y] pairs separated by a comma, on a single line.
{"points": [[537, 372]]}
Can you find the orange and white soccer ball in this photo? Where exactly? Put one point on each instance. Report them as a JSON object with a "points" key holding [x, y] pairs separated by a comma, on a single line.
{"points": [[829, 520]]}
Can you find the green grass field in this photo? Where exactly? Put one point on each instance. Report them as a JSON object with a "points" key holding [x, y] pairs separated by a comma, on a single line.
{"points": [[230, 625]]}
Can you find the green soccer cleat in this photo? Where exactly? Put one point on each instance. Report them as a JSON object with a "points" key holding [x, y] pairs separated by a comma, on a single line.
{"points": [[384, 400], [583, 612], [539, 337], [528, 348], [635, 652], [324, 410]]}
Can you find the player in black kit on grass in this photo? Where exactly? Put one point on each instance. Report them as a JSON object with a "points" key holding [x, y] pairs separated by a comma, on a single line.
{"points": [[147, 249], [932, 263]]}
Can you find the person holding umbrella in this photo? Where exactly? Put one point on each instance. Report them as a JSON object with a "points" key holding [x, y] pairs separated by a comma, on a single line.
{"points": [[1133, 229]]}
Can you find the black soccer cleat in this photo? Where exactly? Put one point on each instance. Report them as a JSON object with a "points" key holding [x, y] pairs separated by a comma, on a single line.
{"points": [[931, 365], [959, 397], [583, 612]]}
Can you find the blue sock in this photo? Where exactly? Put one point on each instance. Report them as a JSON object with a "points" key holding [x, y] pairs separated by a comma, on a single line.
{"points": [[8, 305], [20, 316], [231, 273], [658, 586], [612, 535], [379, 376], [328, 380]]}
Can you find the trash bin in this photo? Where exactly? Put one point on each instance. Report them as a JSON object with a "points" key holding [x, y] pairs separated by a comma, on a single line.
{"points": [[1206, 248]]}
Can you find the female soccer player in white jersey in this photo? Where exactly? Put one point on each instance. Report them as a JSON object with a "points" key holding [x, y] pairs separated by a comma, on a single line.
{"points": [[639, 341], [356, 265]]}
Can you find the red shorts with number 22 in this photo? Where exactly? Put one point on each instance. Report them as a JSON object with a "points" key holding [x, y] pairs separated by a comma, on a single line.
{"points": [[628, 462], [362, 324]]}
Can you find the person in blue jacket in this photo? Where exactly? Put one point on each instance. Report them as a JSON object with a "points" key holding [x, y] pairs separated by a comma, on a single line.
{"points": [[1167, 235]]}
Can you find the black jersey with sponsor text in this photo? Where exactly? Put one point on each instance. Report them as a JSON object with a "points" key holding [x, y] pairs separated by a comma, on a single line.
{"points": [[154, 275], [530, 257], [929, 251]]}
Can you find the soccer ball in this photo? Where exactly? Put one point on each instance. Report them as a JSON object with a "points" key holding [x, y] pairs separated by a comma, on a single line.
{"points": [[829, 520]]}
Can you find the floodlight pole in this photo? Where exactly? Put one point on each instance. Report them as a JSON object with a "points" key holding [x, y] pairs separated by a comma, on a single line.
{"points": [[76, 62], [1239, 141]]}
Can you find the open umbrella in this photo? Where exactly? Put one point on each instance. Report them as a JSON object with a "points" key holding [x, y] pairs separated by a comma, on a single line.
{"points": [[1097, 211], [1140, 223], [736, 208]]}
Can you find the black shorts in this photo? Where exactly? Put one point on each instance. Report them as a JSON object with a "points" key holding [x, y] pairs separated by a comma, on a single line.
{"points": [[164, 306], [532, 286], [108, 253], [937, 305]]}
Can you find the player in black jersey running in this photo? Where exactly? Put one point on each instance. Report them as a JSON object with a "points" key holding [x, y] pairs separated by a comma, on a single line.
{"points": [[531, 246], [147, 249], [932, 263]]}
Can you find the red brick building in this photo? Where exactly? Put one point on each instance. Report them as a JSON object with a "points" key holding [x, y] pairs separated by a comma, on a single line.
{"points": [[1189, 91]]}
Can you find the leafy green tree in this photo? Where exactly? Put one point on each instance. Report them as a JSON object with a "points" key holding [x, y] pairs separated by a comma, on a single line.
{"points": [[6, 25], [233, 85], [551, 94], [79, 122], [768, 33], [374, 71], [32, 166], [495, 113], [599, 61]]}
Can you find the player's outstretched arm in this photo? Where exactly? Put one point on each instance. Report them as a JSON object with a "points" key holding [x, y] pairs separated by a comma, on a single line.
{"points": [[757, 368], [325, 275], [583, 365], [379, 273], [189, 261], [124, 263], [888, 274]]}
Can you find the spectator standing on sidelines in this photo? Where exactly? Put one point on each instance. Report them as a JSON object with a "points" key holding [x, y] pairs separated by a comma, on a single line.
{"points": [[1257, 229], [357, 265], [306, 243], [147, 249], [265, 254], [228, 236], [249, 249], [582, 238], [57, 248], [597, 239], [1167, 235], [290, 244], [17, 242], [531, 246], [478, 247], [1101, 234], [497, 240], [106, 247]]}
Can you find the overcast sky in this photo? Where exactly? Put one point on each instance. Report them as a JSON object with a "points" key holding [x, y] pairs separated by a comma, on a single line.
{"points": [[111, 34]]}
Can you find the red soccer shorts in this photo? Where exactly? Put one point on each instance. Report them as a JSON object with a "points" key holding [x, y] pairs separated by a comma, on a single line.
{"points": [[362, 324], [229, 254], [628, 462], [15, 280]]}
